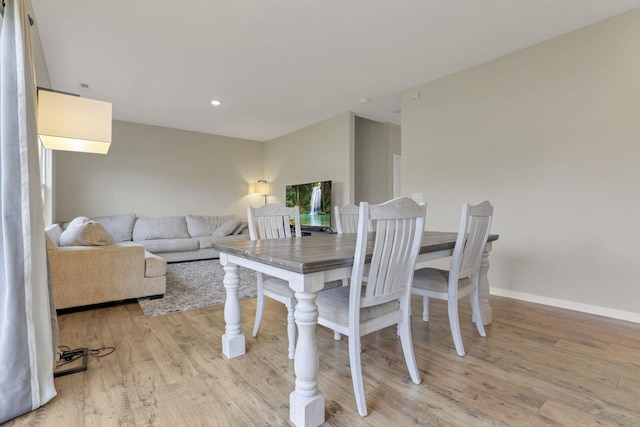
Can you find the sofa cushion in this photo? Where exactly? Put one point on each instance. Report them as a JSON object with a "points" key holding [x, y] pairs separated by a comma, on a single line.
{"points": [[50, 244], [165, 227], [77, 221], [227, 228], [199, 225], [119, 226], [207, 241], [89, 233], [52, 234], [170, 245], [154, 266], [242, 227]]}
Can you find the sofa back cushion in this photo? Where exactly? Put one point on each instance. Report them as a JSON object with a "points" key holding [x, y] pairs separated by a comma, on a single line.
{"points": [[84, 232], [199, 225], [227, 228], [243, 228], [119, 226], [165, 227]]}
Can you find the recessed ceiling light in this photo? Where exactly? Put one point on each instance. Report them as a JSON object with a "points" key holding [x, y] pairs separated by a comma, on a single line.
{"points": [[215, 102]]}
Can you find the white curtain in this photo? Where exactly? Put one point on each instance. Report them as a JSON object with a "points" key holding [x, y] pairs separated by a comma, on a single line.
{"points": [[28, 327]]}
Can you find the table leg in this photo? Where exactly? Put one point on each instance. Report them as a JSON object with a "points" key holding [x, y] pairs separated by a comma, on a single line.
{"points": [[306, 403], [483, 287], [233, 343]]}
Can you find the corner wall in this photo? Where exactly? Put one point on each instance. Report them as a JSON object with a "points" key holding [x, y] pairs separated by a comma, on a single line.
{"points": [[376, 143], [320, 152], [157, 171], [550, 135]]}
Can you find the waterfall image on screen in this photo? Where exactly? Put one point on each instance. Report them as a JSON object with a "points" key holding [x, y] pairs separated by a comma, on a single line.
{"points": [[314, 201]]}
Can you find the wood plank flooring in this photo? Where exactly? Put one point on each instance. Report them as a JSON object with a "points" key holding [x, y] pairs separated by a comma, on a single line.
{"points": [[538, 366]]}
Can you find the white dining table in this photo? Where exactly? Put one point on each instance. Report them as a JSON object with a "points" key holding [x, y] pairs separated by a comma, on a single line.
{"points": [[307, 263]]}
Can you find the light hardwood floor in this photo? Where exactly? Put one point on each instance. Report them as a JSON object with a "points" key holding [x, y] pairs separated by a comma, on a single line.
{"points": [[538, 366]]}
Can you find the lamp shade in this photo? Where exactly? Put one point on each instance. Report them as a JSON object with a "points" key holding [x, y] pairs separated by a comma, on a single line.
{"points": [[71, 123], [262, 187]]}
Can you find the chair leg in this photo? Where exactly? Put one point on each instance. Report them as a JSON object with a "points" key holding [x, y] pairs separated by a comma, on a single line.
{"points": [[425, 308], [356, 374], [454, 323], [407, 348], [475, 309], [291, 330], [259, 311], [337, 336]]}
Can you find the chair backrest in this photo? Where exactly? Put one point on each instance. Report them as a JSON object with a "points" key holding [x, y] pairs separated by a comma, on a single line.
{"points": [[399, 224], [347, 218], [475, 224], [272, 221]]}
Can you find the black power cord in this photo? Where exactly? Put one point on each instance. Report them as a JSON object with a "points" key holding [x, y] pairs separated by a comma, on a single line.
{"points": [[68, 356]]}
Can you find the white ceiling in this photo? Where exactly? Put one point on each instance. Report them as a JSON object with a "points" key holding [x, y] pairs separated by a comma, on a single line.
{"points": [[280, 65]]}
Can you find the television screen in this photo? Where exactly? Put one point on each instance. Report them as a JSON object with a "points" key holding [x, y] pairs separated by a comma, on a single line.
{"points": [[314, 201]]}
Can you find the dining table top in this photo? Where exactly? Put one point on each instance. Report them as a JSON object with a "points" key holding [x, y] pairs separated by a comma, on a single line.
{"points": [[308, 254]]}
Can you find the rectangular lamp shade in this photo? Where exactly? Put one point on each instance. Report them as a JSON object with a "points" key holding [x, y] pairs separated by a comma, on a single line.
{"points": [[262, 188], [71, 123]]}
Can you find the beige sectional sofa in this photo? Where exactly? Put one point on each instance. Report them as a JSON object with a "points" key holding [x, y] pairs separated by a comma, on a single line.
{"points": [[121, 257], [187, 238], [84, 275]]}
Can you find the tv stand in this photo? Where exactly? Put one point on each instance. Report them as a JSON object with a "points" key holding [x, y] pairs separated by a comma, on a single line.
{"points": [[315, 231]]}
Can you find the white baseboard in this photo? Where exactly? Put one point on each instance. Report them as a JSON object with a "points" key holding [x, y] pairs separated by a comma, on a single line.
{"points": [[570, 305]]}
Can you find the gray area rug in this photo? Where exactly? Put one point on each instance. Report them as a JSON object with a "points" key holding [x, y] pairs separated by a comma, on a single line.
{"points": [[196, 284]]}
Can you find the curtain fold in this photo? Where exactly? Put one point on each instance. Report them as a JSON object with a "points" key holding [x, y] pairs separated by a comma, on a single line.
{"points": [[28, 328]]}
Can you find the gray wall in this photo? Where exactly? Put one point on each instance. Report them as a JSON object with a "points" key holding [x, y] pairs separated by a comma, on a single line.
{"points": [[156, 171], [550, 135], [320, 152], [376, 143]]}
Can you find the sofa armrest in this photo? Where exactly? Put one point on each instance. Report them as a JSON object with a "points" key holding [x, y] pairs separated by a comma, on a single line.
{"points": [[85, 275]]}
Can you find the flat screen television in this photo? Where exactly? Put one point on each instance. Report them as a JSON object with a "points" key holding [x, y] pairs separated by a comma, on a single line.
{"points": [[314, 201]]}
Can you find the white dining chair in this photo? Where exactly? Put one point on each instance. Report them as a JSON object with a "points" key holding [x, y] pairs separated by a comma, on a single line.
{"points": [[462, 277], [358, 310], [346, 218], [272, 221]]}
